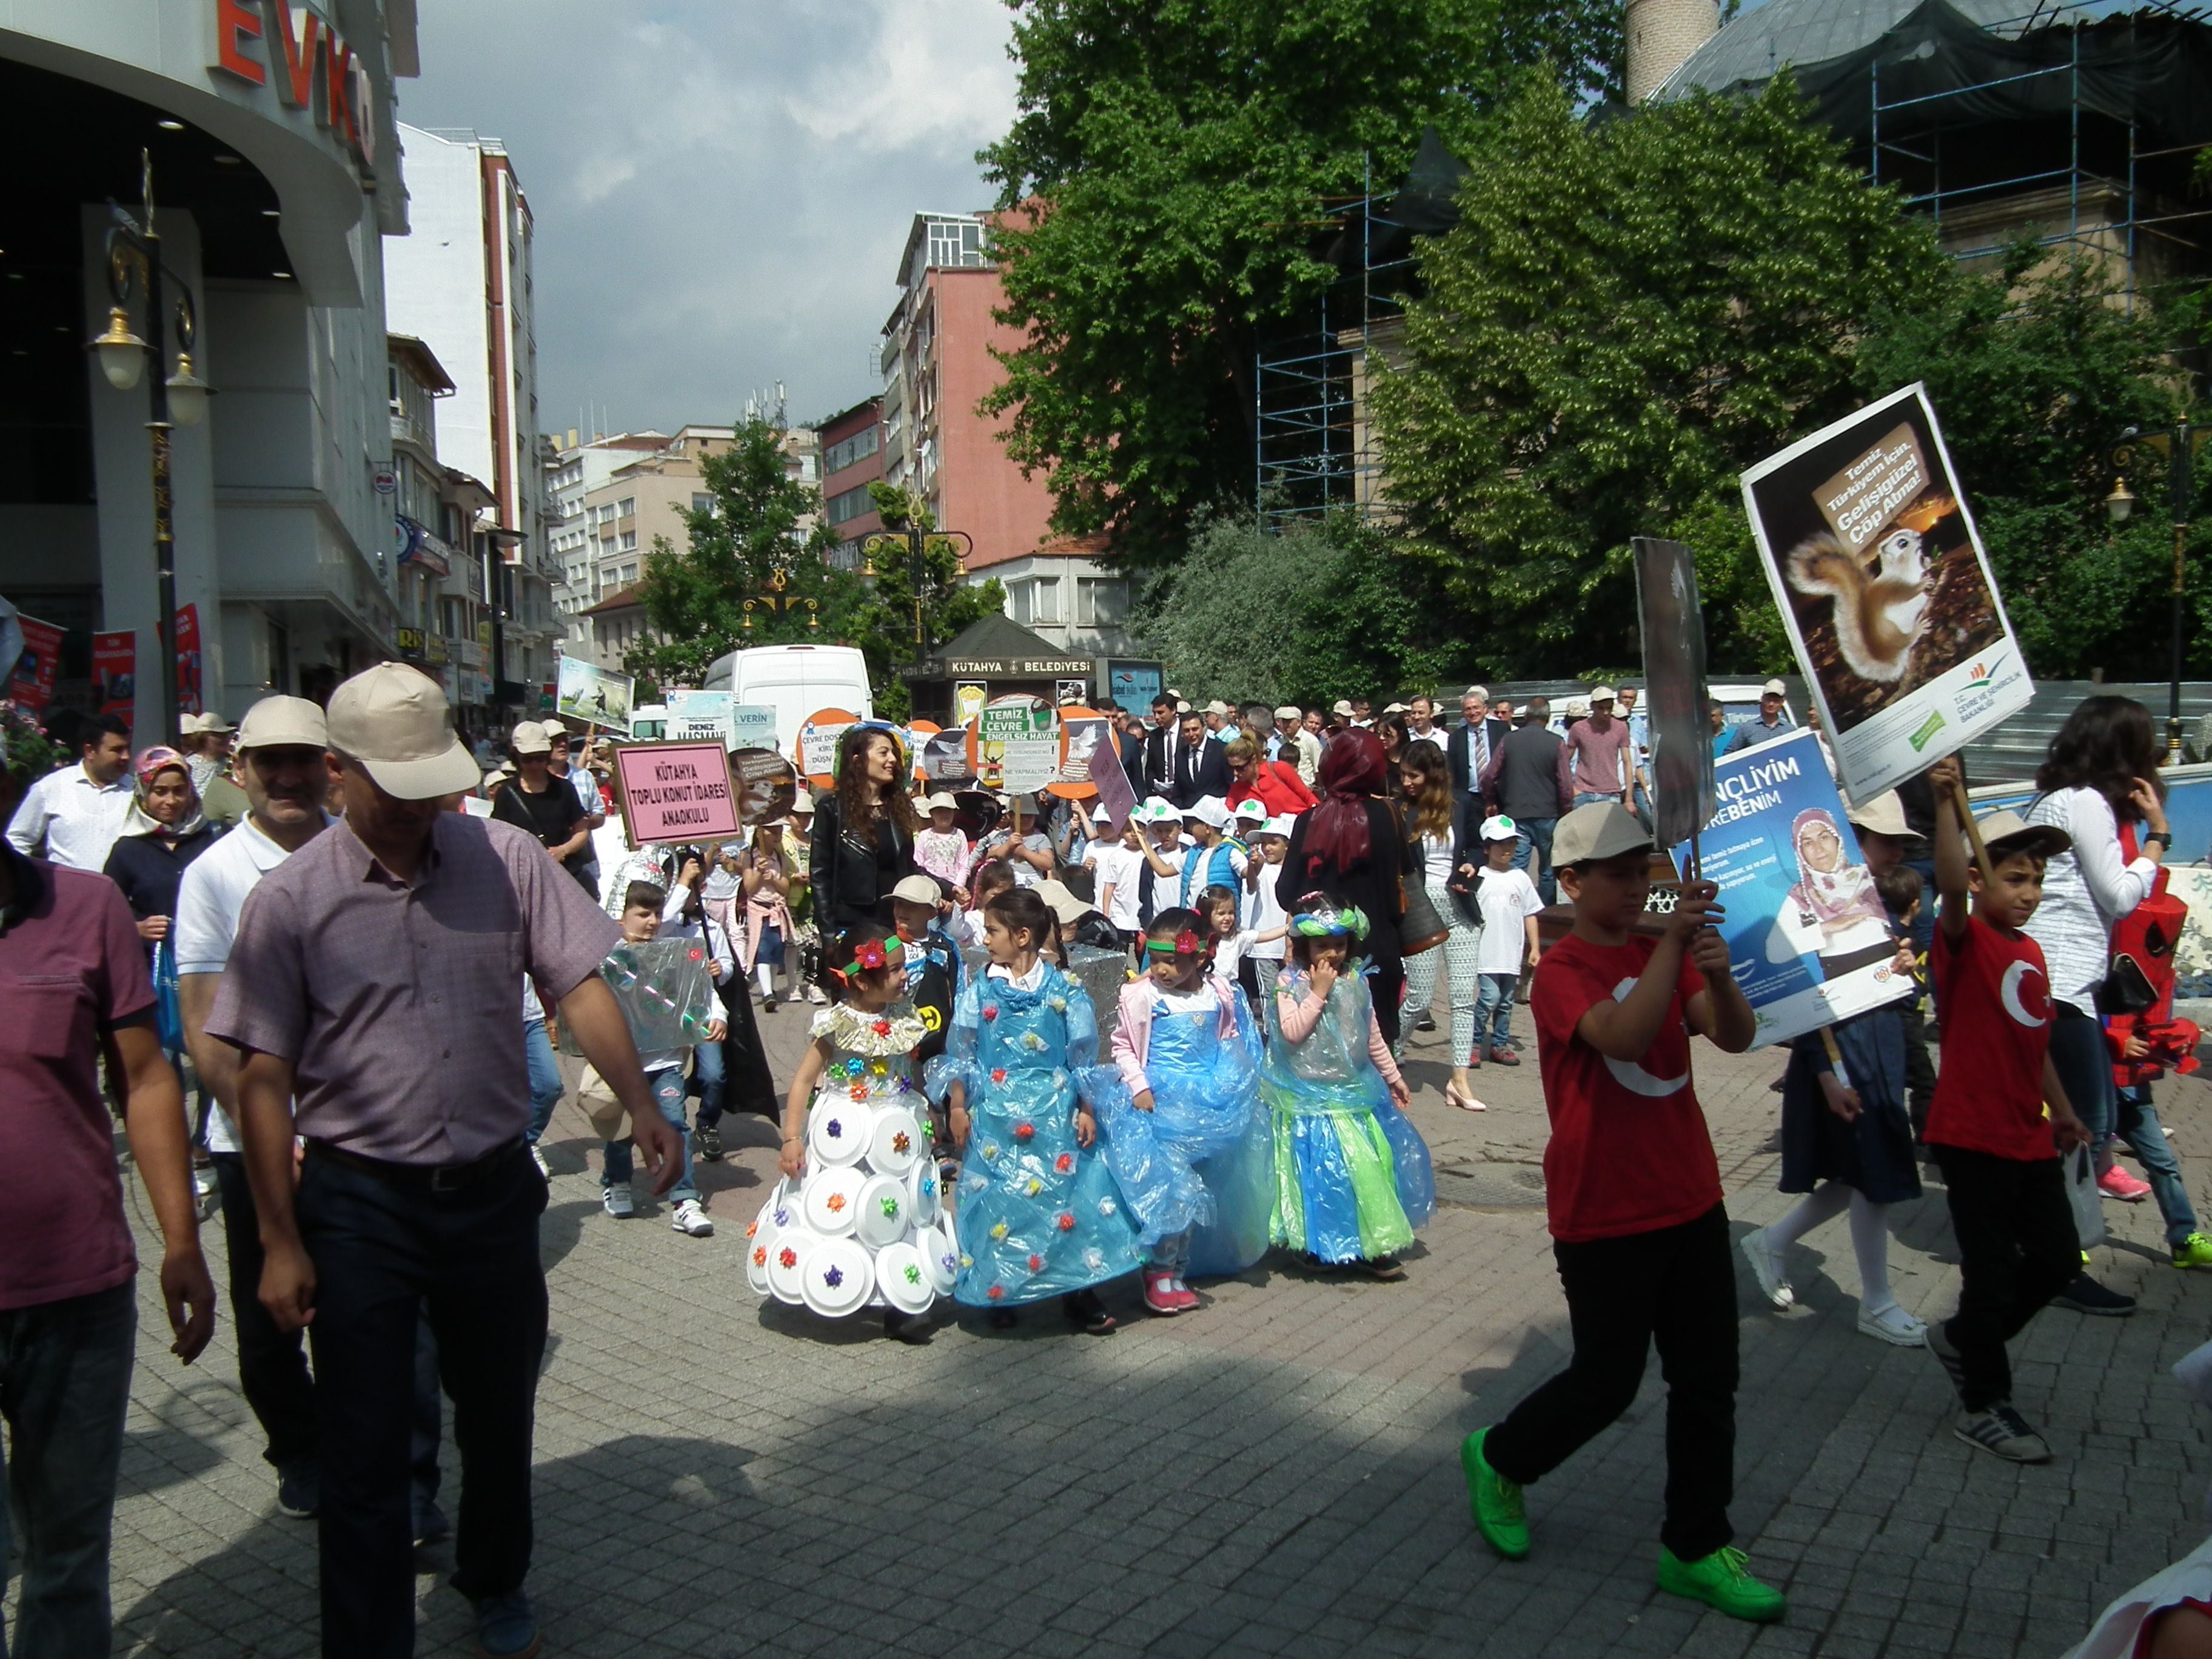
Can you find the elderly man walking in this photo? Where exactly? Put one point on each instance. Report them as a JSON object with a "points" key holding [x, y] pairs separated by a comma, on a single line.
{"points": [[372, 980]]}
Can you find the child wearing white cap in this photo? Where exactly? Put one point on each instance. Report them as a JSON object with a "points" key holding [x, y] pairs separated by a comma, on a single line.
{"points": [[1509, 904], [942, 850], [1265, 958]]}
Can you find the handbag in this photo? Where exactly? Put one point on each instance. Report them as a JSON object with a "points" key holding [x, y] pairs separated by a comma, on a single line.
{"points": [[1419, 927], [168, 1016]]}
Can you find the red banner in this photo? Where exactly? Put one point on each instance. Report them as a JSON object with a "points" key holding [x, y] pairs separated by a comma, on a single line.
{"points": [[188, 661], [115, 671], [33, 681]]}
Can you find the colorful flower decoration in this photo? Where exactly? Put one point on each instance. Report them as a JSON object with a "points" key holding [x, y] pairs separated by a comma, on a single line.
{"points": [[881, 1068], [872, 955], [753, 1228], [1023, 1131], [999, 1230], [881, 1028], [836, 1130], [835, 1204], [854, 1067], [1094, 1259], [1067, 1222], [858, 1092], [1059, 1005], [997, 1293], [913, 1274], [890, 1207], [782, 1216], [990, 1151], [1033, 1042], [990, 1011], [1032, 1186], [902, 1142], [928, 1184], [949, 1264], [998, 1074], [965, 1260], [834, 1278], [787, 1257], [1064, 1162], [759, 1256], [1037, 1264], [1106, 1206]]}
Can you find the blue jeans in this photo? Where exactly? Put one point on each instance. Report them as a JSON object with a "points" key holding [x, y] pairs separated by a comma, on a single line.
{"points": [[1493, 1012], [1586, 797], [544, 1078], [1535, 840], [707, 1072], [2085, 1070], [667, 1086], [65, 1385], [2141, 1130]]}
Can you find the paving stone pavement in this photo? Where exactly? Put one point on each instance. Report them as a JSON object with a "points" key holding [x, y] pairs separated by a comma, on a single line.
{"points": [[1276, 1474]]}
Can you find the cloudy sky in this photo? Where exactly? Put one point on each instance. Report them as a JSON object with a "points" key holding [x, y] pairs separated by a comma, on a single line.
{"points": [[720, 190]]}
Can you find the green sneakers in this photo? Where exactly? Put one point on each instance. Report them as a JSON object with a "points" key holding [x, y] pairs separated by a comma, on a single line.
{"points": [[1499, 1515], [2194, 1251], [1719, 1580]]}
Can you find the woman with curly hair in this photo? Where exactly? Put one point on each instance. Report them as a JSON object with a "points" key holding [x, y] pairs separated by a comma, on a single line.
{"points": [[863, 842]]}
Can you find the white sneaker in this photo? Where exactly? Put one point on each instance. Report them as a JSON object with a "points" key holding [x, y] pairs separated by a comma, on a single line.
{"points": [[538, 1159], [691, 1219], [1893, 1325], [617, 1201], [1766, 1268]]}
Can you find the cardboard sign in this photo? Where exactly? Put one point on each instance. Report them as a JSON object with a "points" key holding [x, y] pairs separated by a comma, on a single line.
{"points": [[1085, 737], [968, 697], [949, 757], [699, 717], [818, 745], [1020, 746], [115, 671], [1673, 721], [1809, 939], [675, 792], [1883, 583], [600, 697], [752, 726], [766, 785]]}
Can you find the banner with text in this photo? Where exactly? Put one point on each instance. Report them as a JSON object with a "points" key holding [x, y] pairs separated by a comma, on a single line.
{"points": [[675, 792]]}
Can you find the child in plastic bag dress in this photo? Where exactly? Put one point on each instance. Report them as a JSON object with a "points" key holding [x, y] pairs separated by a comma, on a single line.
{"points": [[853, 1222], [1353, 1181], [1192, 1152], [1036, 1212]]}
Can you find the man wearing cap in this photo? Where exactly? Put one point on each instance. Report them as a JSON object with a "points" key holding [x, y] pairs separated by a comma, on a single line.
{"points": [[1469, 749], [586, 866], [1218, 721], [207, 743], [540, 804], [77, 814], [1599, 749], [1773, 721], [373, 979]]}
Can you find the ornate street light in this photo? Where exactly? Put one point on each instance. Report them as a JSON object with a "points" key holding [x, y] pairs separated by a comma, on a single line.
{"points": [[914, 544], [772, 598], [2178, 443]]}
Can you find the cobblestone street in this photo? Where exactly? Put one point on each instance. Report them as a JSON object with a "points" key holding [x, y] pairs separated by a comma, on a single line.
{"points": [[1275, 1474]]}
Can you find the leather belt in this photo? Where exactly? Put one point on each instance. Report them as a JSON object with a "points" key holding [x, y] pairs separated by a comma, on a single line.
{"points": [[423, 1177]]}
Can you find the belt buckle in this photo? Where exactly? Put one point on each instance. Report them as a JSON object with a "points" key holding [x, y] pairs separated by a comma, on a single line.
{"points": [[448, 1177]]}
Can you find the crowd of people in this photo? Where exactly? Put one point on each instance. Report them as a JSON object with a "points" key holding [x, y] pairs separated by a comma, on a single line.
{"points": [[357, 940]]}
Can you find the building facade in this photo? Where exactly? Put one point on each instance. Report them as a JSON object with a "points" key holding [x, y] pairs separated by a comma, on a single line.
{"points": [[277, 177], [443, 550], [462, 283], [574, 470], [851, 443]]}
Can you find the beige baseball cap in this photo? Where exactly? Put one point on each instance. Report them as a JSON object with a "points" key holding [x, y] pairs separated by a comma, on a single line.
{"points": [[201, 724], [283, 723], [1774, 688], [1603, 829], [395, 720], [1884, 814], [529, 737], [918, 889], [1601, 694], [1290, 711], [2005, 832]]}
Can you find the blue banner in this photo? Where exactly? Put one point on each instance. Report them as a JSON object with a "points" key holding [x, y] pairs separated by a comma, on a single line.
{"points": [[1808, 939]]}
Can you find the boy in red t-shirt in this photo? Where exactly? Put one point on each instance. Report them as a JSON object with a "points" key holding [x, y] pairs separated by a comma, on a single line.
{"points": [[1999, 1153], [1634, 1193]]}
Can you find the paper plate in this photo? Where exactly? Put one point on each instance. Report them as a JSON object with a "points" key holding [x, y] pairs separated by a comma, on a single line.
{"points": [[884, 1213], [837, 1130], [832, 1203], [948, 1218], [921, 1192], [897, 1141], [774, 1216], [838, 1278], [905, 1282], [787, 1264], [940, 1257]]}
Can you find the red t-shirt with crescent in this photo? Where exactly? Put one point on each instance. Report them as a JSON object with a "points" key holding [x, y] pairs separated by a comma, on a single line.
{"points": [[1994, 996], [1629, 1153]]}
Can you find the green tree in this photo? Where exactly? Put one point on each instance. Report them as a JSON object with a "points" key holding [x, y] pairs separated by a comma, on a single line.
{"points": [[1324, 610], [1629, 312], [938, 599], [2035, 376], [1173, 161], [747, 546]]}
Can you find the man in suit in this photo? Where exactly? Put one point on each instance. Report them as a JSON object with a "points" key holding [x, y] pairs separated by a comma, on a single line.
{"points": [[1469, 750], [1161, 745], [1199, 768]]}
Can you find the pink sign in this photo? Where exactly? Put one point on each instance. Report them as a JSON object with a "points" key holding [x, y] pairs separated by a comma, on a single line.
{"points": [[675, 792]]}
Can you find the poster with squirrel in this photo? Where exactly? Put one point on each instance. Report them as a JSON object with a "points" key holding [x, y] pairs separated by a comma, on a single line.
{"points": [[1872, 552]]}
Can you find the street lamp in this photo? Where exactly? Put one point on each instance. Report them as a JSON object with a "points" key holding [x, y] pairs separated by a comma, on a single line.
{"points": [[175, 400], [773, 598], [2178, 443], [915, 544]]}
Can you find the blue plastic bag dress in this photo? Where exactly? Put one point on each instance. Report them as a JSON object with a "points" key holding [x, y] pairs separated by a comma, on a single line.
{"points": [[1202, 1160], [1352, 1179], [1037, 1216]]}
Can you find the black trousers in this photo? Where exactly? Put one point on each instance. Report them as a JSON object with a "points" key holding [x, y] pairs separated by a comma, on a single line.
{"points": [[272, 1363], [1675, 1287], [469, 1259], [2017, 1249]]}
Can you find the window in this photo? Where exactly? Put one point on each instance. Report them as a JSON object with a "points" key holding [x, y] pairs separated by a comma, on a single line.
{"points": [[629, 575], [848, 451], [627, 507], [1101, 601], [702, 503], [629, 541], [844, 508], [953, 242], [1036, 602]]}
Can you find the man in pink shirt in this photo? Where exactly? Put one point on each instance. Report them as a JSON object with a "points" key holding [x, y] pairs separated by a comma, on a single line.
{"points": [[1600, 751]]}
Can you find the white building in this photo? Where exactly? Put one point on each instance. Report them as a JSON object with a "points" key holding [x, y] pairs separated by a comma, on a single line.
{"points": [[275, 166], [461, 282]]}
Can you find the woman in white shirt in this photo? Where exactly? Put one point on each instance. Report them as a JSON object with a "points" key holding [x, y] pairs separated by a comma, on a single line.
{"points": [[1428, 797], [2101, 772]]}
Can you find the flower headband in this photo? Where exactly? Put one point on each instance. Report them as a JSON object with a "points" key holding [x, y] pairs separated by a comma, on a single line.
{"points": [[1322, 918], [877, 953], [1185, 944]]}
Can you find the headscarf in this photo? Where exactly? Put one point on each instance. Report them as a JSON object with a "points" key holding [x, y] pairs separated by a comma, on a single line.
{"points": [[1351, 769], [147, 768]]}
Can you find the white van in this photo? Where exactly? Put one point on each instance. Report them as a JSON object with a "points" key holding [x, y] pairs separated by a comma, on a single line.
{"points": [[795, 680], [648, 723]]}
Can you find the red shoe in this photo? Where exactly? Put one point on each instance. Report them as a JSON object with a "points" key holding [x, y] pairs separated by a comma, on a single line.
{"points": [[1185, 1298], [1504, 1057], [2116, 1182], [1160, 1294], [1474, 1060]]}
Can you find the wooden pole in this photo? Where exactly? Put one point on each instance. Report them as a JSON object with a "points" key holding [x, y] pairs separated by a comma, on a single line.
{"points": [[1973, 835]]}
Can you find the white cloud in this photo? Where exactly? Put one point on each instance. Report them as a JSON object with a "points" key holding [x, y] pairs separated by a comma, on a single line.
{"points": [[720, 191]]}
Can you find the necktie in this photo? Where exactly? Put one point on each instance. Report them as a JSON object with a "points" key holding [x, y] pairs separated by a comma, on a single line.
{"points": [[1481, 749]]}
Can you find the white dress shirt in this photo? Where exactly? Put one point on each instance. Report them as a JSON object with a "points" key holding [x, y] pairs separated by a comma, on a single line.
{"points": [[78, 820]]}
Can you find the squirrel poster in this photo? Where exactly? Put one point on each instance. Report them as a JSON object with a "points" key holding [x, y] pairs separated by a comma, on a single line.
{"points": [[1882, 611]]}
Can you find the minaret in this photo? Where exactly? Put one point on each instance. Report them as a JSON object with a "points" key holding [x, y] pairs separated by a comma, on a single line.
{"points": [[1661, 35]]}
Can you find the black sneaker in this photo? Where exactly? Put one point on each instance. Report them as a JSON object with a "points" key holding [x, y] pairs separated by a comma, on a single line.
{"points": [[1947, 1355], [1086, 1312], [707, 1141], [2085, 1296], [299, 1488], [2002, 1432]]}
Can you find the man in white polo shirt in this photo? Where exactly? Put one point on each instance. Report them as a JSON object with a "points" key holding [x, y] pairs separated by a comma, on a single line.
{"points": [[73, 817]]}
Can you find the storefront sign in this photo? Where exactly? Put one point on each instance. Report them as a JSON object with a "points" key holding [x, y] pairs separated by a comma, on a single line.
{"points": [[1006, 668], [313, 67]]}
